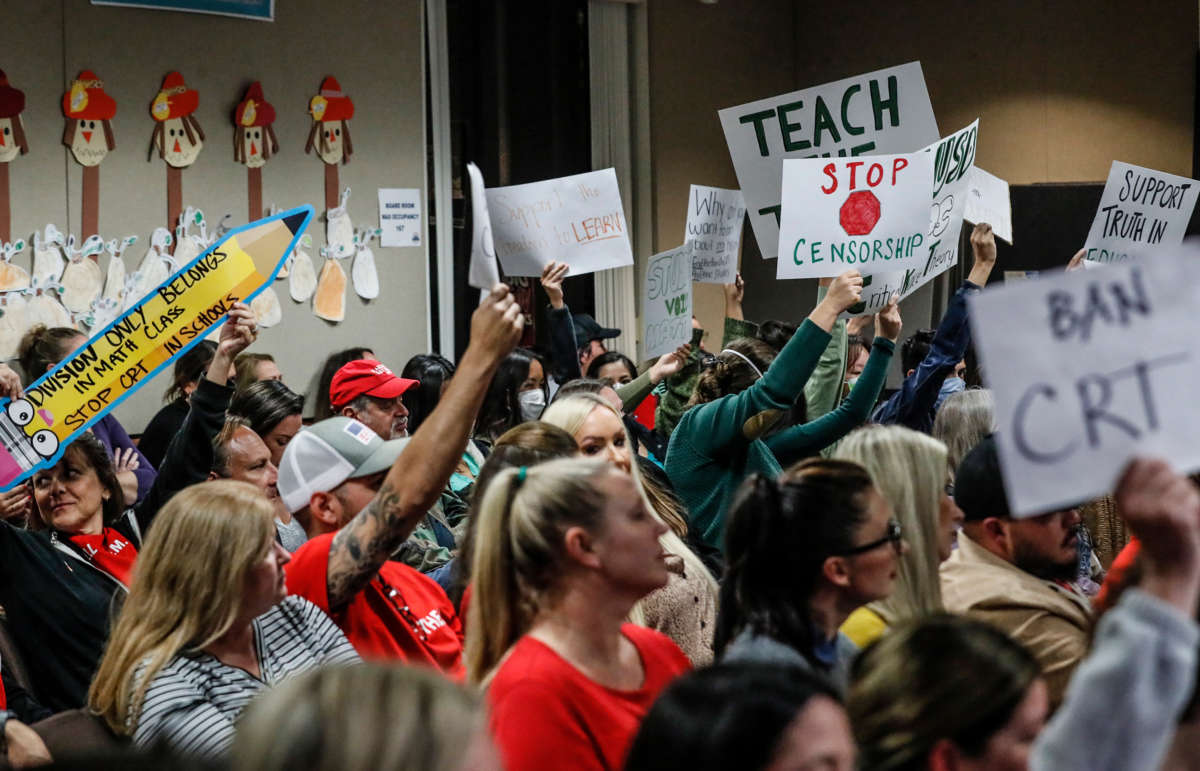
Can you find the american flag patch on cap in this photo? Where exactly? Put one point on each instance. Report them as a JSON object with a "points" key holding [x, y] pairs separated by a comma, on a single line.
{"points": [[359, 431]]}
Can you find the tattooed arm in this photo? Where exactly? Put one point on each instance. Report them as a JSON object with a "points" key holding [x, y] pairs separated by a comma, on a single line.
{"points": [[419, 475]]}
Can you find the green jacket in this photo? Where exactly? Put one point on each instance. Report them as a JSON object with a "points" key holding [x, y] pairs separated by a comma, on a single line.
{"points": [[709, 454], [676, 391]]}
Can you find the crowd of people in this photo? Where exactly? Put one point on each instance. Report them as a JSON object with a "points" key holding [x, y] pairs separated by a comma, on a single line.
{"points": [[752, 558]]}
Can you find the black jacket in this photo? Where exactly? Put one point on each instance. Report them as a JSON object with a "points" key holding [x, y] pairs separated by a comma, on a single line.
{"points": [[59, 605]]}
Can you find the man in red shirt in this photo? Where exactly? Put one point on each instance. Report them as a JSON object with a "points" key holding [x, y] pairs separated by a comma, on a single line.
{"points": [[361, 496]]}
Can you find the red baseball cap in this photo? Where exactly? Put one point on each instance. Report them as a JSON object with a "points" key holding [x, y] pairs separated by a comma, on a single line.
{"points": [[366, 377]]}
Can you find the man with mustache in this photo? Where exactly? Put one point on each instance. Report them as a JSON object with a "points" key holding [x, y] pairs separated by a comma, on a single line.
{"points": [[1016, 573]]}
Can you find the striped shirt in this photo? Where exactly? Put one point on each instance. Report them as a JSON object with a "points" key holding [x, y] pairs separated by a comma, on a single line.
{"points": [[195, 700]]}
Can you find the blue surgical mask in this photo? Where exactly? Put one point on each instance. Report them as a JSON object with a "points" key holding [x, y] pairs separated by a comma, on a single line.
{"points": [[952, 385], [533, 402]]}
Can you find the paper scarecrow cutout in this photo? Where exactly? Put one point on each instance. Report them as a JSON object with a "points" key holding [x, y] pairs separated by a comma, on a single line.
{"points": [[89, 114], [254, 140], [12, 133], [331, 111], [177, 134]]}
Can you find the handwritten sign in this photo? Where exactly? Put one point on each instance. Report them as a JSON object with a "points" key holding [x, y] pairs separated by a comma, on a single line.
{"points": [[988, 201], [117, 360], [714, 226], [578, 220], [887, 111], [866, 213], [483, 273], [953, 162], [1140, 210], [1089, 369], [667, 317], [399, 216]]}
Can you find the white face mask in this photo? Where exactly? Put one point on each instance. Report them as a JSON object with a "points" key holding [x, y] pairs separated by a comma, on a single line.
{"points": [[532, 403]]}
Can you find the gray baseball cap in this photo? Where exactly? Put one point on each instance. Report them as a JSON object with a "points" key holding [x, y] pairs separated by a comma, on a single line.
{"points": [[327, 453]]}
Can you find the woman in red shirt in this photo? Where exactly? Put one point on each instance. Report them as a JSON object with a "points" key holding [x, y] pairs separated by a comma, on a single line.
{"points": [[564, 551]]}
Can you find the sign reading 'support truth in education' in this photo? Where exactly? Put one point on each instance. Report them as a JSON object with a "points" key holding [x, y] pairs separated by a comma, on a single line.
{"points": [[577, 220], [887, 111], [1141, 210], [1089, 369], [714, 227], [667, 307]]}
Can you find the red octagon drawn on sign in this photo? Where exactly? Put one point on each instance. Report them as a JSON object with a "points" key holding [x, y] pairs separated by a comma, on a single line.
{"points": [[859, 213]]}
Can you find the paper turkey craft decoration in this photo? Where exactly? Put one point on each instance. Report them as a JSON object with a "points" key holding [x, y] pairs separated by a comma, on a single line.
{"points": [[177, 136], [89, 112], [331, 112], [254, 142], [12, 144]]}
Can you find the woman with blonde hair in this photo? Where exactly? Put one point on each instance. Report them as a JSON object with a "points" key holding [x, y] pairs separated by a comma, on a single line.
{"points": [[361, 718], [962, 421], [909, 470], [686, 608], [565, 550], [207, 625]]}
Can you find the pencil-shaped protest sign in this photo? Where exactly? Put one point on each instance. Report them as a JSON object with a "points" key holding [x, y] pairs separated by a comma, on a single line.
{"points": [[81, 389]]}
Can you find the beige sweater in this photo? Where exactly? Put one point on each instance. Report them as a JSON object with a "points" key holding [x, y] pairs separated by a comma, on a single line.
{"points": [[686, 611]]}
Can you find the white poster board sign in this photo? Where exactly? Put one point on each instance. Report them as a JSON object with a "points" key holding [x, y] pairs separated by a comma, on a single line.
{"points": [[577, 220], [714, 226], [399, 216], [988, 201], [953, 162], [866, 213], [667, 316], [1089, 369], [483, 273], [1140, 210], [887, 111]]}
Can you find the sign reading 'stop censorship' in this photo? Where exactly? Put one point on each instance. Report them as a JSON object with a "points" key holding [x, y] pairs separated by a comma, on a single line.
{"points": [[1088, 370], [867, 213], [887, 111]]}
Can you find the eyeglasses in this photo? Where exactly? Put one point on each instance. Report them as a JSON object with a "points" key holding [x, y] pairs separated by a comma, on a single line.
{"points": [[895, 535]]}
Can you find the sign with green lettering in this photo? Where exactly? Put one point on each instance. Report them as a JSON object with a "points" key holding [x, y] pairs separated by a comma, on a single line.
{"points": [[887, 111]]}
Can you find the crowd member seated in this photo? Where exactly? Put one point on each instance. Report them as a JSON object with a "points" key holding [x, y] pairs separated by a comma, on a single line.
{"points": [[364, 497], [42, 348], [57, 582], [962, 421], [955, 693], [564, 551], [1016, 573], [361, 718], [334, 362], [367, 391], [239, 454], [251, 368], [802, 553], [719, 440], [930, 358], [186, 376], [518, 393], [746, 716], [686, 608], [207, 625], [909, 470]]}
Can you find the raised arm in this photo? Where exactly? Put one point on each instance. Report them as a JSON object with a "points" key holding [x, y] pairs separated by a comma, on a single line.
{"points": [[1126, 697], [912, 405], [419, 475], [719, 423], [563, 351], [190, 455]]}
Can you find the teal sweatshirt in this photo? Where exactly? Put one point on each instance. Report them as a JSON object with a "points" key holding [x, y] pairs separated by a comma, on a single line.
{"points": [[709, 455]]}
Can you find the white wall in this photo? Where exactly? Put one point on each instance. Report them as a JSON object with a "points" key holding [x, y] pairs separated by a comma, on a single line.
{"points": [[373, 48]]}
